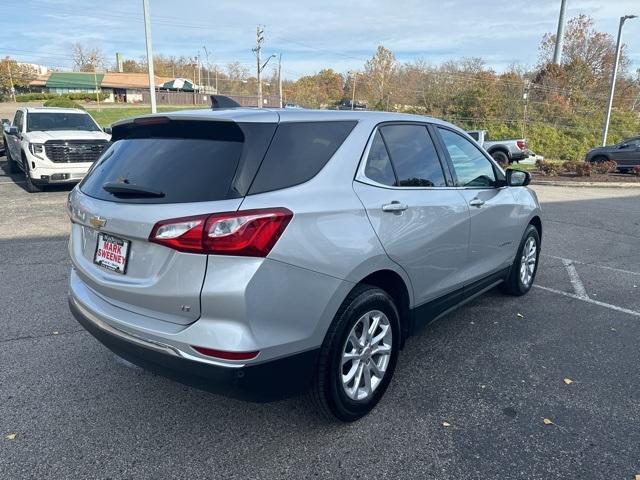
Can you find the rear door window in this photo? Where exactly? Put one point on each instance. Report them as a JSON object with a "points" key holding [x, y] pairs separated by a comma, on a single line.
{"points": [[299, 150], [186, 161], [413, 155]]}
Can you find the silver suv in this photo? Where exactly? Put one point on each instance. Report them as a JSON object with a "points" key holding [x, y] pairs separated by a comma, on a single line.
{"points": [[260, 253]]}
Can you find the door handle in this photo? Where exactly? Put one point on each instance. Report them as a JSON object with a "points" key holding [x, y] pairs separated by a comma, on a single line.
{"points": [[395, 207], [476, 202]]}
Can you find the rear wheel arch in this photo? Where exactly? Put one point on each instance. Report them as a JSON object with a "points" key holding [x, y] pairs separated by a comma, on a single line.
{"points": [[600, 158], [392, 283]]}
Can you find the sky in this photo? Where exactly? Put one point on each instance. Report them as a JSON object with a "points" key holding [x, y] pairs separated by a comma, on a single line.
{"points": [[310, 34]]}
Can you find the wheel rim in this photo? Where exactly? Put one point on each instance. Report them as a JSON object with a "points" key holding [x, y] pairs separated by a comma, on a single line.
{"points": [[528, 261], [366, 355]]}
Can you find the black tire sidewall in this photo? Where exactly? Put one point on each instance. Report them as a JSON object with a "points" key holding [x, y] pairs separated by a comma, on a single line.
{"points": [[341, 405], [500, 157]]}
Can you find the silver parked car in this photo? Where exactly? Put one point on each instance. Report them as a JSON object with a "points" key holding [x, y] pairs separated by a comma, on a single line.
{"points": [[260, 253]]}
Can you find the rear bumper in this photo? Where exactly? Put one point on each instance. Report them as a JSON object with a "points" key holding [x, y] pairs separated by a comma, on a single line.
{"points": [[264, 382]]}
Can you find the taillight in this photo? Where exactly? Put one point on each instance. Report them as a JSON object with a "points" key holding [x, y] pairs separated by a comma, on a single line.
{"points": [[251, 233], [521, 144], [210, 352]]}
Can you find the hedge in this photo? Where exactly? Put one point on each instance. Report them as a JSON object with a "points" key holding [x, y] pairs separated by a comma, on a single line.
{"points": [[30, 97]]}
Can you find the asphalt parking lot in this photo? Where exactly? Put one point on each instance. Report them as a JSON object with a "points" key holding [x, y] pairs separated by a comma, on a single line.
{"points": [[493, 370]]}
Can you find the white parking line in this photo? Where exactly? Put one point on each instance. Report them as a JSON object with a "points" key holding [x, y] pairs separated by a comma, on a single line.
{"points": [[590, 300], [630, 272], [578, 286]]}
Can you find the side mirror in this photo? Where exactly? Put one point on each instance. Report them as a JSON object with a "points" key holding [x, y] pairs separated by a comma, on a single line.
{"points": [[624, 145], [107, 130], [518, 178], [13, 130]]}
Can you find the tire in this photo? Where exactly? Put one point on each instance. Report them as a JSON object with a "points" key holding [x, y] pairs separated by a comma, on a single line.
{"points": [[518, 283], [501, 157], [29, 185], [328, 394], [599, 159]]}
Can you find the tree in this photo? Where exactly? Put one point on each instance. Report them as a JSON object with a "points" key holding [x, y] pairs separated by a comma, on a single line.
{"points": [[131, 66], [87, 59], [584, 45], [379, 71], [18, 74]]}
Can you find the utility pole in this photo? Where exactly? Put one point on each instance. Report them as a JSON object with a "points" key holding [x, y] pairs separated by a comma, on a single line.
{"points": [[353, 94], [525, 97], [13, 90], [147, 35], [280, 79], [557, 52], [260, 67], [257, 50], [605, 129], [206, 53]]}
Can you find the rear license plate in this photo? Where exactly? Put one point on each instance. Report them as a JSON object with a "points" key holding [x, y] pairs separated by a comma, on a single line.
{"points": [[112, 253]]}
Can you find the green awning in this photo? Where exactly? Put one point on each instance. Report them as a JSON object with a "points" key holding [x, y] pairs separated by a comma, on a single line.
{"points": [[179, 84], [74, 80]]}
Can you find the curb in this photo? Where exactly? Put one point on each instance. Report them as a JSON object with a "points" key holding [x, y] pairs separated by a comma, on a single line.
{"points": [[587, 184]]}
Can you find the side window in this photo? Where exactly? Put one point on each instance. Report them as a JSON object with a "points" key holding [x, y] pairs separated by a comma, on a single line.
{"points": [[378, 166], [298, 151], [17, 121], [471, 166], [413, 155]]}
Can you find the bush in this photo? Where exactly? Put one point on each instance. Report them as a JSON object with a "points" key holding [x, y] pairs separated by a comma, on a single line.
{"points": [[636, 170], [30, 97], [62, 102], [604, 167], [547, 168], [581, 169], [87, 97]]}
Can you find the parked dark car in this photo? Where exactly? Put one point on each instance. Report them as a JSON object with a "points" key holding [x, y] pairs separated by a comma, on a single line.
{"points": [[626, 154]]}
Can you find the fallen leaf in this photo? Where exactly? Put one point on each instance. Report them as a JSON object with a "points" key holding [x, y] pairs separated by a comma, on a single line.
{"points": [[519, 315], [10, 436], [446, 424], [637, 477], [55, 333], [546, 421], [613, 329], [568, 381], [483, 386]]}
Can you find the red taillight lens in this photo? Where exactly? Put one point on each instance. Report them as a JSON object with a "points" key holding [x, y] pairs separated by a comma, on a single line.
{"points": [[521, 144], [210, 352], [250, 233]]}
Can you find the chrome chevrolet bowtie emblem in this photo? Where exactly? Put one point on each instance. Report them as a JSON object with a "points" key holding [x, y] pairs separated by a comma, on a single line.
{"points": [[97, 221]]}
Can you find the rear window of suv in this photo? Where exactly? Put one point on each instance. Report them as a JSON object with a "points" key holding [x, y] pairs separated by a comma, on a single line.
{"points": [[187, 161], [199, 161]]}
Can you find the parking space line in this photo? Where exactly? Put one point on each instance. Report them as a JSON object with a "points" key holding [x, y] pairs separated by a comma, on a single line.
{"points": [[574, 278], [590, 300], [621, 270]]}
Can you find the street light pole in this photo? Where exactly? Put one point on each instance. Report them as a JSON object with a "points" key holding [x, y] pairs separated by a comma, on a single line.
{"points": [[147, 35], [557, 52], [605, 130]]}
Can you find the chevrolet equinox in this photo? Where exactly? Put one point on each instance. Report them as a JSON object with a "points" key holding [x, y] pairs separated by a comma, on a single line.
{"points": [[260, 253]]}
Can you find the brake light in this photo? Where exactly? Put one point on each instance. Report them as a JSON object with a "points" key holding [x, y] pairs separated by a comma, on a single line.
{"points": [[250, 233], [522, 144], [210, 352]]}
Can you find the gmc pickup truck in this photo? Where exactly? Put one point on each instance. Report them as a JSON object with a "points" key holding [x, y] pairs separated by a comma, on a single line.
{"points": [[502, 151], [52, 145]]}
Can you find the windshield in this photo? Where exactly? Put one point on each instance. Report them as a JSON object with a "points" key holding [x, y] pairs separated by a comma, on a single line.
{"points": [[60, 121]]}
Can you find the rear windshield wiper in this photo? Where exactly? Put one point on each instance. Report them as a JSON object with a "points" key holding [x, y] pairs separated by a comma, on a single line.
{"points": [[131, 190]]}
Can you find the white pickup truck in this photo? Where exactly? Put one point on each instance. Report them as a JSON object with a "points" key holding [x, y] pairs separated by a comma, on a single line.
{"points": [[52, 145], [502, 151]]}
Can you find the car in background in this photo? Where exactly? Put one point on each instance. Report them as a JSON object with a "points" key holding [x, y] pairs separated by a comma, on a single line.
{"points": [[259, 252], [503, 151], [626, 154], [52, 145], [349, 105]]}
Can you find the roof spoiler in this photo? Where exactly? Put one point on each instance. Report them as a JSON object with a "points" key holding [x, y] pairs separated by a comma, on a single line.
{"points": [[222, 101]]}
